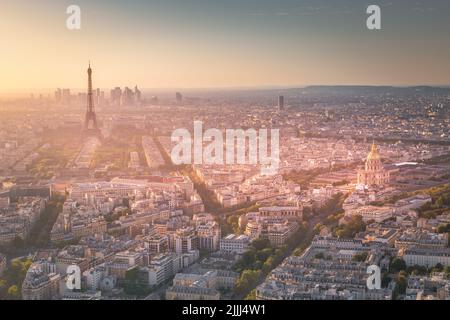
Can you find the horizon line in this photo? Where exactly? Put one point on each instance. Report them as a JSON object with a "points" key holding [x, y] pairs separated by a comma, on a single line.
{"points": [[256, 87]]}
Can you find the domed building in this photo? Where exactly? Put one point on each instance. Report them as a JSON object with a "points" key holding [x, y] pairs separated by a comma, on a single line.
{"points": [[373, 173]]}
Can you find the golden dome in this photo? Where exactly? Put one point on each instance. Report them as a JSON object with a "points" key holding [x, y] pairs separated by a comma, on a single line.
{"points": [[373, 154]]}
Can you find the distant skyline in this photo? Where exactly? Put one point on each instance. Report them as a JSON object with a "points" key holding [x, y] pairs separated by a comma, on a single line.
{"points": [[164, 44]]}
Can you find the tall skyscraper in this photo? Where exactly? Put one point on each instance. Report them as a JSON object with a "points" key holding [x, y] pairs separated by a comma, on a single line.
{"points": [[280, 102], [97, 97], [137, 95], [58, 95], [178, 97], [127, 97], [116, 96], [63, 96]]}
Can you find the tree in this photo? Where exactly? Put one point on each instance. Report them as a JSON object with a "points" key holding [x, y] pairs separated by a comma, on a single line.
{"points": [[440, 202], [260, 244], [447, 271], [3, 287], [133, 283], [13, 292], [385, 279], [246, 261], [318, 227], [443, 228], [397, 265], [258, 265], [360, 257], [233, 221], [26, 264], [17, 270], [333, 205], [401, 283], [247, 280], [264, 254], [251, 295], [132, 275], [268, 265], [349, 230], [438, 268], [307, 212], [417, 270], [319, 255]]}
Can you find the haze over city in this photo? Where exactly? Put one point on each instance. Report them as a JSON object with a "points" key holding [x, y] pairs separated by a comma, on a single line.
{"points": [[243, 151], [204, 44]]}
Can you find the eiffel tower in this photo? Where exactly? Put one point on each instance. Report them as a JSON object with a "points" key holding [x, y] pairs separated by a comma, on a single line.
{"points": [[90, 124]]}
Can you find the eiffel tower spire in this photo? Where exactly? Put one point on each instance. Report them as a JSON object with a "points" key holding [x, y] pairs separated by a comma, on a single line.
{"points": [[91, 119]]}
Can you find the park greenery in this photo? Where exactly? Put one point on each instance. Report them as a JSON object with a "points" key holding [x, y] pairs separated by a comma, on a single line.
{"points": [[231, 222], [399, 272], [360, 257], [61, 148], [440, 196], [322, 256], [261, 258], [116, 214], [39, 235], [340, 183], [305, 177], [333, 206], [440, 203], [230, 225], [50, 160], [440, 200], [401, 281], [164, 154], [391, 200], [114, 151], [133, 284], [11, 281], [350, 229], [209, 198], [443, 159], [397, 265]]}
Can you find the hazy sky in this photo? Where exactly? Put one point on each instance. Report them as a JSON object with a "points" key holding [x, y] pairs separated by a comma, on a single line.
{"points": [[223, 43]]}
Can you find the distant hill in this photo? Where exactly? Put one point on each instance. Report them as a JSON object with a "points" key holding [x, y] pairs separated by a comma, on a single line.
{"points": [[376, 90]]}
